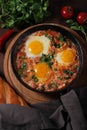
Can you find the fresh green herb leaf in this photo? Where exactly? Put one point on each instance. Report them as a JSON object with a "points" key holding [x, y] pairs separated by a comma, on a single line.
{"points": [[71, 22], [75, 26], [21, 12]]}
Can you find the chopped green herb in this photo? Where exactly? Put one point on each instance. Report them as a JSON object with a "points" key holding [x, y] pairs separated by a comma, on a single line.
{"points": [[75, 67], [60, 78], [35, 78], [43, 58], [47, 59], [56, 45], [68, 72], [24, 65], [50, 37], [67, 77], [49, 64], [61, 38], [53, 85], [50, 57]]}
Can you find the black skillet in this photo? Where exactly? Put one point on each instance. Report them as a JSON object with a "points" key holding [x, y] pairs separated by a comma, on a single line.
{"points": [[81, 77]]}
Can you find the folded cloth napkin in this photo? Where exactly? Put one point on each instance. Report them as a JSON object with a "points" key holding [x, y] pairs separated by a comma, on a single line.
{"points": [[62, 114]]}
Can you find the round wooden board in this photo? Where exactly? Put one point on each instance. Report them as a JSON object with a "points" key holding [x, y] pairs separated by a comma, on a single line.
{"points": [[29, 95]]}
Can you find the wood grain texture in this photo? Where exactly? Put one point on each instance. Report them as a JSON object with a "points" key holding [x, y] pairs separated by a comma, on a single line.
{"points": [[8, 94], [2, 95]]}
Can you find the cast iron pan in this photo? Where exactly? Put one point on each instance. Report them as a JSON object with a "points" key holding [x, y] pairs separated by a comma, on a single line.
{"points": [[80, 79]]}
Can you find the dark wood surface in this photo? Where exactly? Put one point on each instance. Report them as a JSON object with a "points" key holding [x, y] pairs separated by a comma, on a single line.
{"points": [[55, 6]]}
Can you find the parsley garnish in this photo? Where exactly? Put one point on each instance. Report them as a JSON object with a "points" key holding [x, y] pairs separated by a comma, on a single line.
{"points": [[47, 59]]}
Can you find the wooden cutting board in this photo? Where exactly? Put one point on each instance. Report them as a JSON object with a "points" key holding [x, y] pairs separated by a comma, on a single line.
{"points": [[29, 95]]}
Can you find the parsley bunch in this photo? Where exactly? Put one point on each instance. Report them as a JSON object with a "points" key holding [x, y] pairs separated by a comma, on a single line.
{"points": [[22, 12]]}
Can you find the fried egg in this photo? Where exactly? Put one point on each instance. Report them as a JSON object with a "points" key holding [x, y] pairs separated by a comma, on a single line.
{"points": [[36, 46], [42, 71], [66, 57]]}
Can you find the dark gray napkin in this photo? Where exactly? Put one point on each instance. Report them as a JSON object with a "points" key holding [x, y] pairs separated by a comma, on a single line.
{"points": [[72, 105], [62, 114]]}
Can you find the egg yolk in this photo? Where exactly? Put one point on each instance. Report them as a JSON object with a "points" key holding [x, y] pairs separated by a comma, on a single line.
{"points": [[35, 47], [68, 56], [42, 71]]}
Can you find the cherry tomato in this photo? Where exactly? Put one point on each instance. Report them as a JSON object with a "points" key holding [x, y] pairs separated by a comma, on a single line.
{"points": [[82, 17], [67, 12]]}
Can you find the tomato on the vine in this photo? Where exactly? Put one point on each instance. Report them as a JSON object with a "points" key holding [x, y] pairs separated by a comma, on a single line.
{"points": [[82, 17], [67, 12]]}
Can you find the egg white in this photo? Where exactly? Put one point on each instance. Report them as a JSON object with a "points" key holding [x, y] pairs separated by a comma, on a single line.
{"points": [[43, 40]]}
